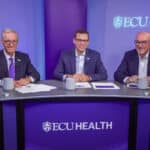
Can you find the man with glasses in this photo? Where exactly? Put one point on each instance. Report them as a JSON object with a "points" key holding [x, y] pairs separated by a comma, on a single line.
{"points": [[82, 64], [136, 62], [15, 64]]}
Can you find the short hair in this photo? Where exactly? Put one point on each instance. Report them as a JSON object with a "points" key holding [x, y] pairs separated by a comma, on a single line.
{"points": [[81, 31], [8, 31]]}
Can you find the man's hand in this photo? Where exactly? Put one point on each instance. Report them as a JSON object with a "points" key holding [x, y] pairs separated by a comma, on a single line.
{"points": [[133, 78], [22, 82], [148, 79], [81, 77]]}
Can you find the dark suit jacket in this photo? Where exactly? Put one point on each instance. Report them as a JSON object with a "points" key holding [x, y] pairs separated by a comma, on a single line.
{"points": [[23, 66], [93, 65], [129, 66]]}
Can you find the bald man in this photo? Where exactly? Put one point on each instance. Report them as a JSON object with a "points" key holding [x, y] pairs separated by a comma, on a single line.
{"points": [[136, 62]]}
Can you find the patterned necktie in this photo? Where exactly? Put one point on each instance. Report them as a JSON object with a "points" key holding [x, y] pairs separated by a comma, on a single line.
{"points": [[11, 68]]}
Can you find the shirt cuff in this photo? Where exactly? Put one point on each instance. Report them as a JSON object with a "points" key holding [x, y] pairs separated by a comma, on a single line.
{"points": [[1, 83], [90, 78], [125, 79], [32, 79], [64, 77]]}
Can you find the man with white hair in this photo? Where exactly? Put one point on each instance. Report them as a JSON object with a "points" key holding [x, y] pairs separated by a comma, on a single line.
{"points": [[15, 64]]}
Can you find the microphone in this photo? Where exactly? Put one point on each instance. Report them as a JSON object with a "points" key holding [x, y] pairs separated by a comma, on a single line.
{"points": [[18, 60]]}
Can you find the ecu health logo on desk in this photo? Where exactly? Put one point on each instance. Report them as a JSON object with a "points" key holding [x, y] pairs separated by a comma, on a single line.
{"points": [[46, 126], [76, 126]]}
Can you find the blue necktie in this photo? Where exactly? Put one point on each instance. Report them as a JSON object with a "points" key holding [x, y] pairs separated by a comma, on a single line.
{"points": [[11, 68]]}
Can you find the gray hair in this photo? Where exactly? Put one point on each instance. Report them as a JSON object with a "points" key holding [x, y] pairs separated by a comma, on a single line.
{"points": [[8, 31]]}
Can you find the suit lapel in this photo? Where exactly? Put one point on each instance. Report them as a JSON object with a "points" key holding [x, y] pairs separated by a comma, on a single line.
{"points": [[73, 62], [136, 62], [148, 72], [4, 64], [17, 65], [86, 61]]}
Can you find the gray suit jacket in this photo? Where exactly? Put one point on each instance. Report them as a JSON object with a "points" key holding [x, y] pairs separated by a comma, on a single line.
{"points": [[23, 66], [93, 65]]}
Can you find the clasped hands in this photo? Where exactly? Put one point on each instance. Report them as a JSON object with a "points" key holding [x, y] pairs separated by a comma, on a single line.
{"points": [[135, 78], [22, 82], [80, 77]]}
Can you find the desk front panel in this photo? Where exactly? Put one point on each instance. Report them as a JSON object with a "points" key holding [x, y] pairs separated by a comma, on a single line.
{"points": [[76, 125], [143, 125]]}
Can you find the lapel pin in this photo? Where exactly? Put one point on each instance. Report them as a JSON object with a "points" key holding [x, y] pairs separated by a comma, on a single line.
{"points": [[87, 58]]}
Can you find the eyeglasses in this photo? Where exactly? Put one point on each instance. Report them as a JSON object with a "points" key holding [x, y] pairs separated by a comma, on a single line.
{"points": [[10, 42], [81, 40], [140, 42]]}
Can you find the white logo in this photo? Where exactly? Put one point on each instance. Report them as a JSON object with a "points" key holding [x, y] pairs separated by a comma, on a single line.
{"points": [[46, 126], [118, 21], [77, 126], [131, 21]]}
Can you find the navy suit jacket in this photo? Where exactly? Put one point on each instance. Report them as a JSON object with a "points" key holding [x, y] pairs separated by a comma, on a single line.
{"points": [[93, 65], [23, 66], [129, 66]]}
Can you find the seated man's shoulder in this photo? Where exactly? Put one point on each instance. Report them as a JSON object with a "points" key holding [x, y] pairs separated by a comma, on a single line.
{"points": [[132, 52], [67, 52], [93, 52], [1, 52], [22, 55], [19, 53]]}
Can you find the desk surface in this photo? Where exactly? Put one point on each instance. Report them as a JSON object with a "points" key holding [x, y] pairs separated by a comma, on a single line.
{"points": [[60, 92]]}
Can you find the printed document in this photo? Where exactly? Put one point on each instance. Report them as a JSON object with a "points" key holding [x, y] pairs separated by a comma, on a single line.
{"points": [[33, 88]]}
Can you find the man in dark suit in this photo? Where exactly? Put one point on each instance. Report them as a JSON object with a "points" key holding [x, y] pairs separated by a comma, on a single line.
{"points": [[82, 64], [136, 63], [13, 63]]}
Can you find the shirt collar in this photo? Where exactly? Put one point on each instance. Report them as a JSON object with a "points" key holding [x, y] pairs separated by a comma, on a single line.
{"points": [[82, 54], [146, 56], [8, 56]]}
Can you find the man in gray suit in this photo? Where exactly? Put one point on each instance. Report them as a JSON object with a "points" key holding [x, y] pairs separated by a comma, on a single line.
{"points": [[15, 64], [82, 64]]}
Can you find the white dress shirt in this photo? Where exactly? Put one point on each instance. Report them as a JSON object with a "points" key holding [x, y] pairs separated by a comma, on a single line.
{"points": [[80, 59], [143, 62], [7, 58]]}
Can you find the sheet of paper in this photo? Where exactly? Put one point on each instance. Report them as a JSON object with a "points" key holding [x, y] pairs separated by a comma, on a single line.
{"points": [[104, 85], [33, 88], [83, 85]]}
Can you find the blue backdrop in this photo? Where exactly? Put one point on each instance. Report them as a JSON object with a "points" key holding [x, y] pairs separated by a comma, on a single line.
{"points": [[26, 17], [60, 25], [46, 27], [112, 25]]}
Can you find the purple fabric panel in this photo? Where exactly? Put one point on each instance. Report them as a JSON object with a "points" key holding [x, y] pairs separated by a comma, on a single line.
{"points": [[9, 123], [38, 113], [62, 19], [143, 125]]}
